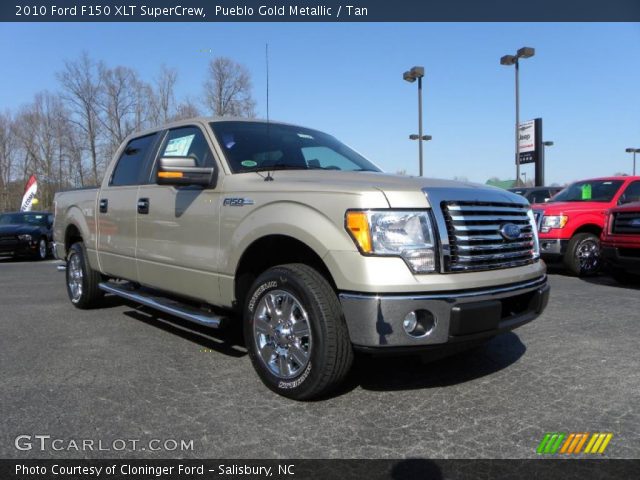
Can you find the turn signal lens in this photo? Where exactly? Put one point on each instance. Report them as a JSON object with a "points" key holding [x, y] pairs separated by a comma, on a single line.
{"points": [[170, 174], [358, 226]]}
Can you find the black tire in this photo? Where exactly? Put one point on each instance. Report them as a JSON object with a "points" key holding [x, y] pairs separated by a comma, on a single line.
{"points": [[89, 295], [625, 278], [582, 257], [316, 309], [43, 249]]}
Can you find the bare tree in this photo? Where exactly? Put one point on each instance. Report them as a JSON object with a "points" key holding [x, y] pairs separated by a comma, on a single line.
{"points": [[163, 96], [40, 126], [228, 89], [186, 109], [8, 150], [119, 105], [82, 87]]}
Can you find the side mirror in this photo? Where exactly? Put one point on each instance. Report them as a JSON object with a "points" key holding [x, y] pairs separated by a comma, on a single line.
{"points": [[183, 171]]}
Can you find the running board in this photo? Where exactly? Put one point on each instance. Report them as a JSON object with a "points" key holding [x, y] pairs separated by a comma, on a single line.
{"points": [[166, 305]]}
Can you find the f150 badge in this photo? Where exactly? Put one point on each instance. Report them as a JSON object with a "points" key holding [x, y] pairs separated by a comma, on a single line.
{"points": [[237, 202]]}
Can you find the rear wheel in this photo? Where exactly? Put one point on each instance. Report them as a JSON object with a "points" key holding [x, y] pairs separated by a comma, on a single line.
{"points": [[582, 258], [295, 332], [82, 280]]}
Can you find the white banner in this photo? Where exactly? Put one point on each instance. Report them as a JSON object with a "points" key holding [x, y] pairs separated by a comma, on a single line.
{"points": [[29, 194]]}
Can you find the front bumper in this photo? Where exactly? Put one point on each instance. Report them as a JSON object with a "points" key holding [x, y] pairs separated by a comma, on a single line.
{"points": [[626, 259], [552, 248], [17, 247], [376, 321]]}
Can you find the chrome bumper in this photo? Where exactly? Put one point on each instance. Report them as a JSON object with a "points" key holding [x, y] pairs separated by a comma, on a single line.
{"points": [[376, 320]]}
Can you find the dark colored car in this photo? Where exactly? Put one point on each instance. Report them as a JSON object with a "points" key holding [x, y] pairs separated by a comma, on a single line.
{"points": [[26, 233], [536, 194], [620, 242]]}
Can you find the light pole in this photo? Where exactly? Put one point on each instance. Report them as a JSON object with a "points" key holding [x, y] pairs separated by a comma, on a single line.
{"points": [[416, 73], [634, 151], [524, 52]]}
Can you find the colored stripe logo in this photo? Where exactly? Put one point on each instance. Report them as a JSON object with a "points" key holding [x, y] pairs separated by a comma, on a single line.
{"points": [[573, 443]]}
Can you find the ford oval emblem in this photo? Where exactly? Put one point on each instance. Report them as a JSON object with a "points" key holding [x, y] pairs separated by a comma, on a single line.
{"points": [[510, 231]]}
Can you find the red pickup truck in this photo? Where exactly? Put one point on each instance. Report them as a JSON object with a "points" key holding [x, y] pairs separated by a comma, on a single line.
{"points": [[620, 243], [571, 223]]}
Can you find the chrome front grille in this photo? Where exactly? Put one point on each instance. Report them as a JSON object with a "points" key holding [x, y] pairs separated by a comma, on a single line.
{"points": [[477, 236], [626, 222]]}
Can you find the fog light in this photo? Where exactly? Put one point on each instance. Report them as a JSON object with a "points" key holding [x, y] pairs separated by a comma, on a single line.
{"points": [[419, 323], [410, 322]]}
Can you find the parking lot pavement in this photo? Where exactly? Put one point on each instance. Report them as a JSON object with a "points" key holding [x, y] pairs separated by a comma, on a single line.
{"points": [[122, 373]]}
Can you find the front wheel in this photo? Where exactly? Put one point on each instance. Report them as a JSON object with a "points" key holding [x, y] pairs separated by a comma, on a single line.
{"points": [[43, 249], [582, 258], [295, 332], [82, 280]]}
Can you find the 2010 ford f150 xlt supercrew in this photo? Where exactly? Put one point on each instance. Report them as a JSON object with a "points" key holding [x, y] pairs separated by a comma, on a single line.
{"points": [[310, 244]]}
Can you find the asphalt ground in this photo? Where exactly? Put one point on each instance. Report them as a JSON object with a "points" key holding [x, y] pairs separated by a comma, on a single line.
{"points": [[123, 375]]}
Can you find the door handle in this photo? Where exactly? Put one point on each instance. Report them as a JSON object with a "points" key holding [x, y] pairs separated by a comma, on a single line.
{"points": [[104, 205], [143, 206]]}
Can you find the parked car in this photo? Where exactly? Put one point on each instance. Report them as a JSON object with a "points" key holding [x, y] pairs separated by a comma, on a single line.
{"points": [[305, 242], [620, 242], [570, 224], [26, 234], [536, 194]]}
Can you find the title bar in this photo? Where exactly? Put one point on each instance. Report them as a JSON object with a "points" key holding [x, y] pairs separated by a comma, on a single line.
{"points": [[321, 11]]}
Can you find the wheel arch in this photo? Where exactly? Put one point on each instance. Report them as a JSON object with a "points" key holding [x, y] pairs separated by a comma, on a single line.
{"points": [[589, 228], [269, 251]]}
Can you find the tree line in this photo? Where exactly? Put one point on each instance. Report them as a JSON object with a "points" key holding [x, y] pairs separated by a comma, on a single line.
{"points": [[67, 137]]}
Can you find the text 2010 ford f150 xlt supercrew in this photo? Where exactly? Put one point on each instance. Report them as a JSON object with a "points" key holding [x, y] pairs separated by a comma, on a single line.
{"points": [[318, 250]]}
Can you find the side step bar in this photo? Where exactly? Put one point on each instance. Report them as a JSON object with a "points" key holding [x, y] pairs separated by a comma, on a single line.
{"points": [[166, 305]]}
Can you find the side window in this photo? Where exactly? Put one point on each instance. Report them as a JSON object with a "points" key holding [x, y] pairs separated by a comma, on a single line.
{"points": [[131, 162], [188, 142], [631, 194]]}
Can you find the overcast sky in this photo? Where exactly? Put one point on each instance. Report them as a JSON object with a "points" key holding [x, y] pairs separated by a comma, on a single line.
{"points": [[346, 79]]}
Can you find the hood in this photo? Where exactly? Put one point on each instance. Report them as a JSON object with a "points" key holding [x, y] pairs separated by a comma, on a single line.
{"points": [[629, 207], [392, 186], [18, 229], [561, 207]]}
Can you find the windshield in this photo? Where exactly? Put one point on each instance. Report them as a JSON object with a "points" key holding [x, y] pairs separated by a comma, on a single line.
{"points": [[252, 146], [589, 191], [39, 219]]}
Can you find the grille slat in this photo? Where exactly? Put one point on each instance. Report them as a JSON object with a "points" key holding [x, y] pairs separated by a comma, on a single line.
{"points": [[626, 222], [475, 239]]}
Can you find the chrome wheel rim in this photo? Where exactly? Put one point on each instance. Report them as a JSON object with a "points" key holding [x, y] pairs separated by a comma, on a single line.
{"points": [[43, 248], [282, 334], [74, 277], [588, 253]]}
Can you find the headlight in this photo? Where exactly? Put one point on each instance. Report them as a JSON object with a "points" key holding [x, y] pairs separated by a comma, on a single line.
{"points": [[534, 231], [553, 221], [25, 238], [406, 234]]}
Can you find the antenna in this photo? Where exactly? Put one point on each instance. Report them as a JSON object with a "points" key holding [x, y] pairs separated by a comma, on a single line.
{"points": [[266, 52], [268, 178]]}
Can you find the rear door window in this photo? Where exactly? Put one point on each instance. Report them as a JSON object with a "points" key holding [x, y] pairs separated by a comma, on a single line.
{"points": [[130, 165]]}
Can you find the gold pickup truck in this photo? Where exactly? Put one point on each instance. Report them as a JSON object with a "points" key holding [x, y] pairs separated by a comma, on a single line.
{"points": [[307, 243]]}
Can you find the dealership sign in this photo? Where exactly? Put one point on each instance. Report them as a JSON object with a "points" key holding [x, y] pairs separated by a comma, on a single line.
{"points": [[527, 142]]}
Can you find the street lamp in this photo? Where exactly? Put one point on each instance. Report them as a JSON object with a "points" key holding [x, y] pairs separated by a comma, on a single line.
{"points": [[634, 151], [416, 73], [524, 52]]}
